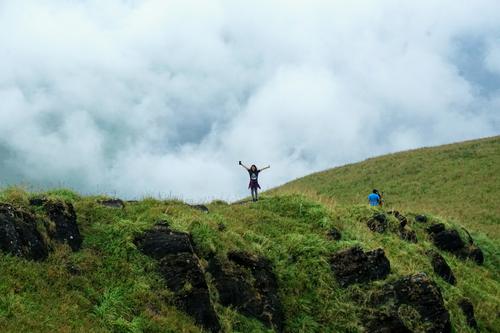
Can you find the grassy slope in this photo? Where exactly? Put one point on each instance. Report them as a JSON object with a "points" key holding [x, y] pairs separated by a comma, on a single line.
{"points": [[109, 286], [458, 181], [118, 290]]}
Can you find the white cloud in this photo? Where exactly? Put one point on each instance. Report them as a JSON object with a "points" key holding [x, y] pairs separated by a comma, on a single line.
{"points": [[164, 97]]}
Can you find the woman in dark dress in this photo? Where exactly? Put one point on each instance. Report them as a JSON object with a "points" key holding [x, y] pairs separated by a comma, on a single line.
{"points": [[253, 172]]}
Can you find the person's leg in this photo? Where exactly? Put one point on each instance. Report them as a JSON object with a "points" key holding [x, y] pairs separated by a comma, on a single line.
{"points": [[253, 189], [256, 194]]}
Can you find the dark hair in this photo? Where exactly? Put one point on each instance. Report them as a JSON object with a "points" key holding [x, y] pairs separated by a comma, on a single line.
{"points": [[375, 191], [252, 167]]}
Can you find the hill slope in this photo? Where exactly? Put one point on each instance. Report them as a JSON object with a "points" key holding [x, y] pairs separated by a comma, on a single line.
{"points": [[288, 263], [459, 181]]}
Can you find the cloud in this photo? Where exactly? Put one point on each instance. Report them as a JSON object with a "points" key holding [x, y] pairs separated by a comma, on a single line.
{"points": [[164, 97]]}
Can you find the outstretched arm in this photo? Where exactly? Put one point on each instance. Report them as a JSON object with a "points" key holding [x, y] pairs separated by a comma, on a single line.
{"points": [[267, 167], [243, 165]]}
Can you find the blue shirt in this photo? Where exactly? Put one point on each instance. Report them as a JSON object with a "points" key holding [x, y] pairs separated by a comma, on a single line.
{"points": [[374, 199]]}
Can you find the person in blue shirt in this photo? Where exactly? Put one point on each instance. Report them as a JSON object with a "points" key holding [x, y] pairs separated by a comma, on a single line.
{"points": [[374, 198]]}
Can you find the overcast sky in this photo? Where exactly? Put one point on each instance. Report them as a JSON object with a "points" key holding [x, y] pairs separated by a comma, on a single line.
{"points": [[164, 97]]}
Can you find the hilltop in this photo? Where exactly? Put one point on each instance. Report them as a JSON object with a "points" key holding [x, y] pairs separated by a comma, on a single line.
{"points": [[310, 256], [459, 181]]}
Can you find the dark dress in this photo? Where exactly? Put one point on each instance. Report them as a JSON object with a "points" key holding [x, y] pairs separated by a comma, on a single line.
{"points": [[254, 179]]}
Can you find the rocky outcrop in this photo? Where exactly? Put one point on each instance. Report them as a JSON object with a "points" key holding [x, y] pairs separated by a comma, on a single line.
{"points": [[441, 267], [19, 235], [354, 266], [450, 241], [248, 283], [112, 203], [468, 310], [65, 229], [377, 223], [417, 292], [421, 219], [183, 274]]}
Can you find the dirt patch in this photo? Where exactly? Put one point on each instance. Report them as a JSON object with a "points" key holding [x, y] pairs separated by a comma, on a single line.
{"points": [[249, 284], [355, 266], [415, 293]]}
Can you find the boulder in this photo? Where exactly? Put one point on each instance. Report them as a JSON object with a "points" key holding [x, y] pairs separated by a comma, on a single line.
{"points": [[407, 235], [450, 240], [334, 234], [468, 310], [441, 267], [377, 223], [417, 292], [183, 274], [66, 228], [19, 235], [421, 219], [355, 266], [248, 283]]}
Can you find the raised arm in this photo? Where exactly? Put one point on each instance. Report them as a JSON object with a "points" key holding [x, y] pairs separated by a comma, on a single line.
{"points": [[267, 167], [243, 165]]}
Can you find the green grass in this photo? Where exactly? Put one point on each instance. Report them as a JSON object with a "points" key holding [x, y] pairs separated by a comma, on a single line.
{"points": [[109, 286], [458, 181]]}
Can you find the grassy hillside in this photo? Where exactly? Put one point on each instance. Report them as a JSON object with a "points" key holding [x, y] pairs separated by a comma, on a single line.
{"points": [[110, 285], [458, 181]]}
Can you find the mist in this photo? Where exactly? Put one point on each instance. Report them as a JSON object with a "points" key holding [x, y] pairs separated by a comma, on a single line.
{"points": [[163, 98]]}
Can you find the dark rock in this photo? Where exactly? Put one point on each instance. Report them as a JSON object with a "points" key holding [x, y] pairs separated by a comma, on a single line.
{"points": [[334, 234], [441, 267], [403, 221], [377, 223], [184, 276], [158, 243], [408, 235], [418, 292], [19, 235], [450, 240], [179, 266], [475, 254], [112, 203], [421, 218], [355, 266], [66, 228], [468, 310], [202, 208], [380, 322], [38, 202], [248, 283], [435, 228]]}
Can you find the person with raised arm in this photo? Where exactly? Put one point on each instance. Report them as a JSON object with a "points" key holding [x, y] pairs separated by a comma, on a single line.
{"points": [[253, 172]]}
